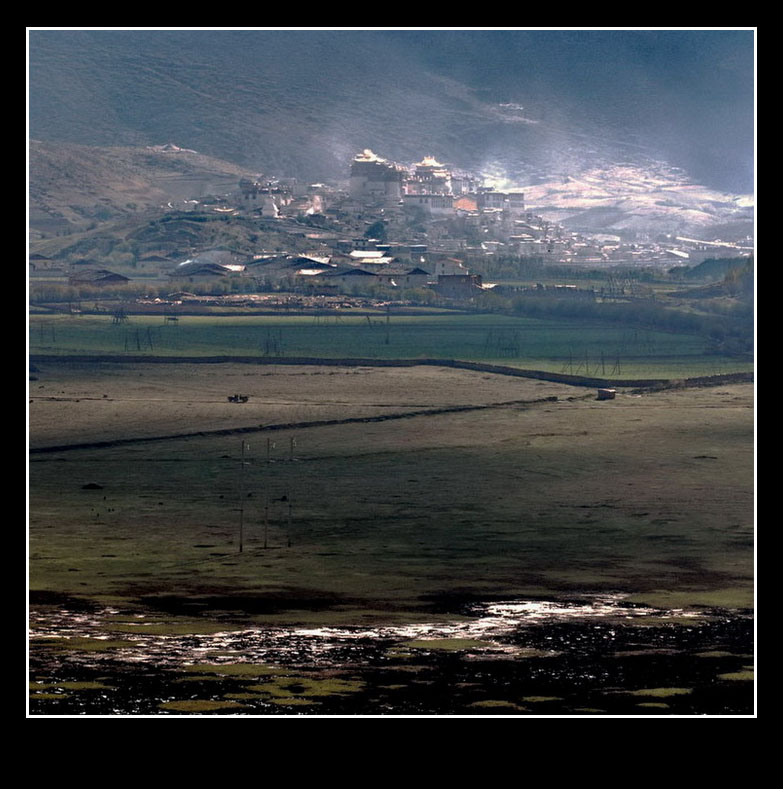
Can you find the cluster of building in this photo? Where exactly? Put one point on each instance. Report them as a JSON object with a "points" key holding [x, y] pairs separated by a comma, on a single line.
{"points": [[428, 185], [433, 214], [427, 189], [461, 212], [359, 271], [454, 212], [408, 204], [395, 226]]}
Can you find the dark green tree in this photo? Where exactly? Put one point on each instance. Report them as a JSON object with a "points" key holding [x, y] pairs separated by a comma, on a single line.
{"points": [[377, 230]]}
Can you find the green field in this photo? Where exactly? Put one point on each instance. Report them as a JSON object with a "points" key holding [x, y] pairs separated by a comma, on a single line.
{"points": [[563, 346], [188, 555], [651, 495]]}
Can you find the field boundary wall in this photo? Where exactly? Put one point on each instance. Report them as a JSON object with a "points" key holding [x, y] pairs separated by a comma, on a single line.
{"points": [[543, 375]]}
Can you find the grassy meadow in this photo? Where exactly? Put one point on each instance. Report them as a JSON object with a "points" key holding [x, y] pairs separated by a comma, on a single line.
{"points": [[648, 495], [555, 345]]}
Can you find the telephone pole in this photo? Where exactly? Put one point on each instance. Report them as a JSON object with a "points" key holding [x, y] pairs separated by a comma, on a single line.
{"points": [[266, 519], [242, 498]]}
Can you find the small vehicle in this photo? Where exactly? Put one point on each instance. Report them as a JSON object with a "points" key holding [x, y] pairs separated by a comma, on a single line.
{"points": [[238, 398]]}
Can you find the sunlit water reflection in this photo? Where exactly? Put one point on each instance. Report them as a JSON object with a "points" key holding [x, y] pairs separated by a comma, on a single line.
{"points": [[495, 625]]}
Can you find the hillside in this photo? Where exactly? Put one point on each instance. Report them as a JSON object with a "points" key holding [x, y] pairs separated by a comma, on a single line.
{"points": [[301, 103], [121, 242], [76, 186], [289, 104], [655, 198]]}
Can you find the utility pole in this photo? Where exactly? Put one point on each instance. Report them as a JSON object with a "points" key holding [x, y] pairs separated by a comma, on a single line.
{"points": [[242, 498], [289, 520], [266, 519]]}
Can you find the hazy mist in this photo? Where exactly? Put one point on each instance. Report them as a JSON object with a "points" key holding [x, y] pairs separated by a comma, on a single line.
{"points": [[532, 102]]}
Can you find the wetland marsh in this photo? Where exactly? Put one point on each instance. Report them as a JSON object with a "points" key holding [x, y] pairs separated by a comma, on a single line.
{"points": [[348, 530]]}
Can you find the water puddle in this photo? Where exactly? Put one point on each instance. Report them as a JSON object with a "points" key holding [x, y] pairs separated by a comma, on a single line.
{"points": [[487, 627], [526, 657]]}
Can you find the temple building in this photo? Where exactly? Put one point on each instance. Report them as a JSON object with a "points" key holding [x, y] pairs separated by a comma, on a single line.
{"points": [[430, 186], [430, 177], [374, 178]]}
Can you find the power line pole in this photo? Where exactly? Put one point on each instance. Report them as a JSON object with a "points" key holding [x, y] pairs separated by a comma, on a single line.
{"points": [[266, 519], [242, 498], [289, 520]]}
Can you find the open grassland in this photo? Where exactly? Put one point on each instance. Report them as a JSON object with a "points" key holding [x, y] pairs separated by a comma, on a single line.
{"points": [[74, 403], [650, 495], [555, 345]]}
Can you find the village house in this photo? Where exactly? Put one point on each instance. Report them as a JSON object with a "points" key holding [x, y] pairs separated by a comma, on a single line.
{"points": [[459, 286], [403, 277], [368, 256], [447, 266], [97, 277], [194, 271], [466, 204], [154, 259], [431, 204], [350, 278]]}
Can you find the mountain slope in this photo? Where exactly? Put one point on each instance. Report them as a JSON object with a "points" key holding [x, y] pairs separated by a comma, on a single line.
{"points": [[655, 199], [76, 185], [302, 103]]}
